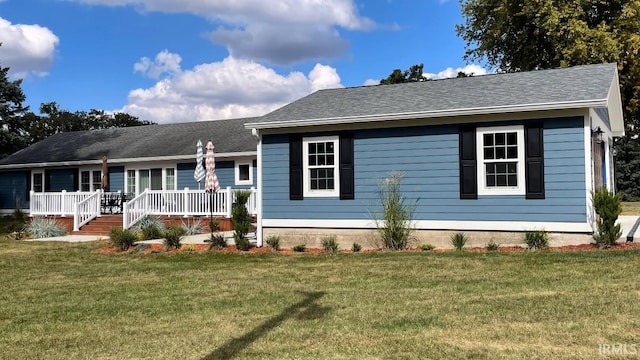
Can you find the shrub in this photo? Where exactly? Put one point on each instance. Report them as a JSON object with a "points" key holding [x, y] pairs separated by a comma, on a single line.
{"points": [[192, 228], [44, 228], [427, 247], [459, 240], [395, 221], [299, 248], [150, 228], [242, 244], [122, 239], [536, 239], [608, 207], [330, 244], [216, 241], [172, 236], [356, 247], [273, 241], [240, 216], [492, 245]]}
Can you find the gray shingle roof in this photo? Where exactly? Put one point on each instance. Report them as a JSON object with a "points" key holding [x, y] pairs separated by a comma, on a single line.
{"points": [[228, 136], [574, 84]]}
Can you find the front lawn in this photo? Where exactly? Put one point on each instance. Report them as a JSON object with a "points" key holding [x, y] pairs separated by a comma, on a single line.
{"points": [[63, 301], [630, 208]]}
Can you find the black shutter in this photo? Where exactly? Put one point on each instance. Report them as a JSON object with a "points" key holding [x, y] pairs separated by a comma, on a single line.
{"points": [[47, 180], [468, 163], [534, 161], [295, 168], [347, 188]]}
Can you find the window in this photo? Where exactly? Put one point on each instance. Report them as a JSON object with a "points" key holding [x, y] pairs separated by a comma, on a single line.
{"points": [[500, 160], [320, 166], [131, 181], [97, 179], [170, 178], [37, 184], [244, 172], [85, 181]]}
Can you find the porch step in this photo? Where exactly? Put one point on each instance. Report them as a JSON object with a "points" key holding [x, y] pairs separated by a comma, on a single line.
{"points": [[100, 225]]}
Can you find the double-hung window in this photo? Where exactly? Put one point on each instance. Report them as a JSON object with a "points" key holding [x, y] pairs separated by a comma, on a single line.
{"points": [[501, 160], [320, 166]]}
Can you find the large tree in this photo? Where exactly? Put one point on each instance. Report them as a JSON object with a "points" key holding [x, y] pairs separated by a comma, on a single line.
{"points": [[11, 109], [521, 35]]}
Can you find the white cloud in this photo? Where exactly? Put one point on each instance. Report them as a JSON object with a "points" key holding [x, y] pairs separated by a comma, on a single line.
{"points": [[226, 89], [370, 82], [165, 63], [277, 31], [450, 72], [26, 49]]}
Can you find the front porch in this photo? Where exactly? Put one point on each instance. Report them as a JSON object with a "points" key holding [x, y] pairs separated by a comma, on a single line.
{"points": [[84, 207]]}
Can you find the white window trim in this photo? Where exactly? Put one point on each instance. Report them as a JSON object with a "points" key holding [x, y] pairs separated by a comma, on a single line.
{"points": [[307, 192], [148, 167], [236, 166], [482, 187]]}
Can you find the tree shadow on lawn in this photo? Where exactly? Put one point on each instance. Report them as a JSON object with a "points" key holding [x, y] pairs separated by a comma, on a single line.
{"points": [[305, 309]]}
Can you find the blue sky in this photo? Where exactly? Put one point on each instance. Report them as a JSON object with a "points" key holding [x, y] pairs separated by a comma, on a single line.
{"points": [[189, 60]]}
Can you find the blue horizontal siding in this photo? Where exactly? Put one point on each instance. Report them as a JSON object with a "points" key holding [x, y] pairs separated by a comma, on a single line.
{"points": [[116, 178], [62, 179], [13, 187], [427, 157]]}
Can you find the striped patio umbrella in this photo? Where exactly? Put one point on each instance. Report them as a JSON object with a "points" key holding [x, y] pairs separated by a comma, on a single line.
{"points": [[211, 184], [199, 172]]}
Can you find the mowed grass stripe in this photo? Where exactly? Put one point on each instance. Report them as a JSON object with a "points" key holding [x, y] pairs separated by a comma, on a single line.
{"points": [[63, 301]]}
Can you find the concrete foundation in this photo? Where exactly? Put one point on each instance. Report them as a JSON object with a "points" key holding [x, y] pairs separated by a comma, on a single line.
{"points": [[369, 239]]}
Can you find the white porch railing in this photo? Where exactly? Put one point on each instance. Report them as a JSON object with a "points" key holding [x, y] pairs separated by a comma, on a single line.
{"points": [[56, 203], [183, 202], [86, 210]]}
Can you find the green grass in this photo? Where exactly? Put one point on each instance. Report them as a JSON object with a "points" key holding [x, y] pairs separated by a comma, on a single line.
{"points": [[631, 208], [62, 301]]}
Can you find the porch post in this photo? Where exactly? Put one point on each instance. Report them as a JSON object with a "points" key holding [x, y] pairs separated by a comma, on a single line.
{"points": [[99, 202], [76, 217], [185, 202], [229, 201], [31, 202], [63, 203]]}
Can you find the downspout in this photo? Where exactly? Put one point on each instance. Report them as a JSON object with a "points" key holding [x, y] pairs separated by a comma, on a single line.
{"points": [[259, 236]]}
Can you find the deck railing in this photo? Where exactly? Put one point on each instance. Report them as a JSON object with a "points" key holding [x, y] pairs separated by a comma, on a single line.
{"points": [[86, 210], [184, 203], [56, 203], [85, 206]]}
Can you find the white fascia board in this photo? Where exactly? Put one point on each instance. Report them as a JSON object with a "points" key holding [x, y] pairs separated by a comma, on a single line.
{"points": [[431, 114], [516, 226], [245, 154]]}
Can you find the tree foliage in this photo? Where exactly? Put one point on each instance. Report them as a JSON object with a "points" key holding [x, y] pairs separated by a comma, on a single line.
{"points": [[397, 76], [11, 108], [538, 34]]}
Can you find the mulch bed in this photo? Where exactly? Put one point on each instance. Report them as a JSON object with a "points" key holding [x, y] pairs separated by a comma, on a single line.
{"points": [[156, 248]]}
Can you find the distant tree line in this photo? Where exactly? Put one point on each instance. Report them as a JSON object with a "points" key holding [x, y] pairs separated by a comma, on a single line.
{"points": [[20, 127]]}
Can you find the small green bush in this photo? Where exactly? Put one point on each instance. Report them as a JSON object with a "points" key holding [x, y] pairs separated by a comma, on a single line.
{"points": [[273, 241], [427, 247], [242, 243], [330, 244], [459, 240], [172, 236], [492, 245], [356, 247], [608, 207], [299, 248], [216, 241], [240, 216], [536, 239], [122, 239], [192, 228], [150, 228], [40, 228]]}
